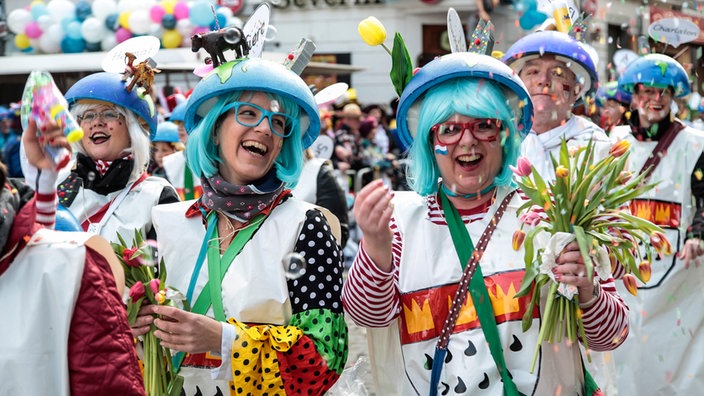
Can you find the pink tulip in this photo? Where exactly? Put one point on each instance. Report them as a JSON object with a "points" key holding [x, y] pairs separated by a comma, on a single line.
{"points": [[522, 168], [137, 291], [531, 218], [154, 285]]}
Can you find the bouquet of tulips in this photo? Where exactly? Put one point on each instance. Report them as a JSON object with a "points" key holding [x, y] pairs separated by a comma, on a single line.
{"points": [[585, 203], [145, 281]]}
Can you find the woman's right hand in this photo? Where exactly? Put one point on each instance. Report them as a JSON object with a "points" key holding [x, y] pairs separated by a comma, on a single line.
{"points": [[372, 212], [34, 143]]}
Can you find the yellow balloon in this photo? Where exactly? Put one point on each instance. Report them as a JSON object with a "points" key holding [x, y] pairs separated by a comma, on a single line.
{"points": [[22, 41], [171, 38], [36, 2], [169, 6], [124, 19]]}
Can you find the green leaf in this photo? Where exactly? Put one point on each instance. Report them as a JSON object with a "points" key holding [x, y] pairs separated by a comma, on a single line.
{"points": [[584, 243], [528, 280], [176, 386], [133, 310], [401, 65]]}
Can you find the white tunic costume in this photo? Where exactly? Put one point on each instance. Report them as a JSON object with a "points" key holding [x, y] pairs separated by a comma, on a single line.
{"points": [[663, 354], [427, 285], [257, 267], [34, 351]]}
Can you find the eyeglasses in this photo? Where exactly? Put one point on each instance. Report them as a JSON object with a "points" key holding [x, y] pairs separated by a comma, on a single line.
{"points": [[482, 129], [250, 115], [107, 115]]}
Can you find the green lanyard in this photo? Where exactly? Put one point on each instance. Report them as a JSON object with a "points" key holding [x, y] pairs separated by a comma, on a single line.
{"points": [[188, 187], [477, 289], [218, 266]]}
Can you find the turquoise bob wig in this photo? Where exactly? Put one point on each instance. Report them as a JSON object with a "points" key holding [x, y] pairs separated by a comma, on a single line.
{"points": [[203, 156], [459, 96]]}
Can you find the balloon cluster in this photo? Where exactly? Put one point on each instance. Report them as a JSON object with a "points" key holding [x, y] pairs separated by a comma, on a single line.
{"points": [[63, 26]]}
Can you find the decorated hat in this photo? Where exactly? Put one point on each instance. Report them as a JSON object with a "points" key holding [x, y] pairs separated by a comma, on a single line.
{"points": [[166, 132], [179, 112], [655, 70], [254, 74], [462, 65], [110, 88], [563, 47], [610, 91]]}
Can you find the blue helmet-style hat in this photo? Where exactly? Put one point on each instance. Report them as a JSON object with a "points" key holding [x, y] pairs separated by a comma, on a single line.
{"points": [[610, 90], [655, 70], [109, 87], [560, 45], [166, 132], [179, 112], [461, 65], [254, 74]]}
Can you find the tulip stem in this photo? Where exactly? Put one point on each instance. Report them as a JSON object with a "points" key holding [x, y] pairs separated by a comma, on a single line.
{"points": [[386, 48]]}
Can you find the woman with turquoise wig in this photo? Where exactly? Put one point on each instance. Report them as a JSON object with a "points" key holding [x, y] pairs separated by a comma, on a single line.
{"points": [[262, 270], [436, 276]]}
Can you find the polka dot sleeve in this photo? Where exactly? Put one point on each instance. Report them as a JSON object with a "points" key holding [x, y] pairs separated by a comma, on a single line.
{"points": [[308, 355]]}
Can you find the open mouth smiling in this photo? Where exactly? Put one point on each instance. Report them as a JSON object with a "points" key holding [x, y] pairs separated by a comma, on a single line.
{"points": [[255, 148], [99, 137], [469, 159]]}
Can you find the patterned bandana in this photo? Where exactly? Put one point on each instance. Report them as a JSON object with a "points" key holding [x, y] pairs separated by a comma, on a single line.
{"points": [[241, 203]]}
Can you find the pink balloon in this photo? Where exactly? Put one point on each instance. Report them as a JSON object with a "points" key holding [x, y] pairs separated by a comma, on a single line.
{"points": [[181, 10], [156, 13], [32, 30], [122, 34], [201, 30]]}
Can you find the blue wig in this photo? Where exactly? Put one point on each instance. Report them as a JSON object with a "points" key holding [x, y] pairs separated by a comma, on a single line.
{"points": [[477, 98], [202, 154]]}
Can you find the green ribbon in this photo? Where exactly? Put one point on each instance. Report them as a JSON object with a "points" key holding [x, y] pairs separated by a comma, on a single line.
{"points": [[477, 289]]}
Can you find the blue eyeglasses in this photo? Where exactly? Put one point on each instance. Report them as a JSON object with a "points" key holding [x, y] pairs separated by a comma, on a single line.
{"points": [[250, 115]]}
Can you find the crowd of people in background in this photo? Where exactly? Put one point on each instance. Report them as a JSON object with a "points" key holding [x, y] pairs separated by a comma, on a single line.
{"points": [[233, 162]]}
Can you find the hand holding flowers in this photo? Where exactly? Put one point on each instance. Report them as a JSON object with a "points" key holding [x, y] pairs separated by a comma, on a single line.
{"points": [[146, 286], [583, 210]]}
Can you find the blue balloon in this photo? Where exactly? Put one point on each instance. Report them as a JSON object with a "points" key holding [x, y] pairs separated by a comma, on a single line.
{"points": [[219, 22], [83, 10], [37, 10], [201, 14], [72, 46], [531, 18], [112, 22], [65, 220], [168, 22], [73, 30]]}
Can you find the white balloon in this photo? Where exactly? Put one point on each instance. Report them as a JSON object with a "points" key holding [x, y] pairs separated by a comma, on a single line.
{"points": [[18, 20], [235, 21], [48, 44], [185, 27], [139, 22], [55, 32], [108, 43], [156, 30], [44, 21], [226, 12], [103, 8], [93, 30], [127, 5], [60, 9]]}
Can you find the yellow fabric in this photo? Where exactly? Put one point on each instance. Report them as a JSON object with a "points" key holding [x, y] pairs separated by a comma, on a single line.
{"points": [[254, 363]]}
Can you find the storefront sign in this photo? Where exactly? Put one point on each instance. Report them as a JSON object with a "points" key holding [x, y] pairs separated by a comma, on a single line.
{"points": [[310, 4], [658, 14]]}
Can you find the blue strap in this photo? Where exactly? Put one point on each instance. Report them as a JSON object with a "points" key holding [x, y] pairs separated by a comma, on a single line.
{"points": [[438, 360], [201, 258]]}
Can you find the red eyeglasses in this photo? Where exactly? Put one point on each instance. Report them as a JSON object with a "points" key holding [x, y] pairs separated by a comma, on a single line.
{"points": [[482, 129]]}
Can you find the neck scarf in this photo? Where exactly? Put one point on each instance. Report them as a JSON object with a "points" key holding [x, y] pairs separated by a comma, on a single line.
{"points": [[240, 202]]}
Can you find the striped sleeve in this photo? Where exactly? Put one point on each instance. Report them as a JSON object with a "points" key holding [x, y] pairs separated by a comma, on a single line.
{"points": [[369, 295], [606, 322], [46, 199]]}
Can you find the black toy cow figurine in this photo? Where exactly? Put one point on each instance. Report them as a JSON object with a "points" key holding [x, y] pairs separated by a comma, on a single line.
{"points": [[218, 41]]}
